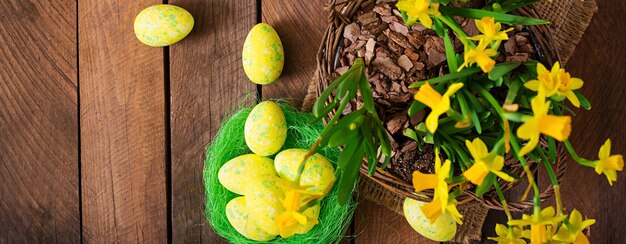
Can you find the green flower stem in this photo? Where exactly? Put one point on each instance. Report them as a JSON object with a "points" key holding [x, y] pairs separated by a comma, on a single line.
{"points": [[331, 123], [503, 200], [522, 160], [456, 28], [579, 160]]}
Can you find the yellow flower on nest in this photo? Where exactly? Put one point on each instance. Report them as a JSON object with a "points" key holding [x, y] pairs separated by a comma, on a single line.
{"points": [[289, 221], [491, 31], [573, 232], [557, 127], [511, 235], [437, 181], [556, 82], [480, 55], [418, 10], [484, 163], [538, 223], [439, 104], [609, 164]]}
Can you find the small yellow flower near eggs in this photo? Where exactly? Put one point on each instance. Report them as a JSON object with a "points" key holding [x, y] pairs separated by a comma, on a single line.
{"points": [[439, 104], [484, 163], [441, 202]]}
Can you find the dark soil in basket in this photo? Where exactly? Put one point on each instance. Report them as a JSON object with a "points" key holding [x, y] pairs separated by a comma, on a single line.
{"points": [[396, 56]]}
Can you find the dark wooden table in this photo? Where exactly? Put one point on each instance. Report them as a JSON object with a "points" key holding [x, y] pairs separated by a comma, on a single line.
{"points": [[102, 138]]}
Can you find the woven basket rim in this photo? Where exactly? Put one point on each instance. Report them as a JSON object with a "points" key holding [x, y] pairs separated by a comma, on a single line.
{"points": [[340, 14]]}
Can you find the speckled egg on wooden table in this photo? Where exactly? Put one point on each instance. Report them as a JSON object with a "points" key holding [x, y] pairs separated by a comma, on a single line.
{"points": [[238, 173], [238, 216], [265, 130], [443, 229], [263, 55], [162, 25], [317, 173]]}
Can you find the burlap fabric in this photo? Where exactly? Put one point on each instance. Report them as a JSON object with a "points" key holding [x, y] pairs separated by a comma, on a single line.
{"points": [[568, 21]]}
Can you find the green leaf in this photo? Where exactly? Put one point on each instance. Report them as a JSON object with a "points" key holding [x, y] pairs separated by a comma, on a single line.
{"points": [[513, 89], [583, 100], [348, 84], [342, 137], [410, 133], [347, 182], [447, 77], [342, 123], [438, 27], [487, 183], [321, 100], [551, 149], [347, 153], [450, 54], [415, 107], [510, 5], [385, 145], [499, 17], [324, 112], [498, 71], [366, 94], [368, 143]]}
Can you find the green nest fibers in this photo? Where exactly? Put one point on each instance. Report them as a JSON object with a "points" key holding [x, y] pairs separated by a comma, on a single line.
{"points": [[230, 143]]}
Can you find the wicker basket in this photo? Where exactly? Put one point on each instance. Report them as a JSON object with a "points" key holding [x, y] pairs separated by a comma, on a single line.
{"points": [[342, 13]]}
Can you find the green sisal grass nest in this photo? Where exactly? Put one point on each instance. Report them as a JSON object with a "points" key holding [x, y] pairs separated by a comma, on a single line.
{"points": [[230, 143]]}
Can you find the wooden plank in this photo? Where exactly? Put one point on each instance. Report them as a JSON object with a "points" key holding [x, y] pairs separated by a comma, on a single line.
{"points": [[377, 224], [300, 25], [207, 83], [122, 126], [600, 63], [39, 200]]}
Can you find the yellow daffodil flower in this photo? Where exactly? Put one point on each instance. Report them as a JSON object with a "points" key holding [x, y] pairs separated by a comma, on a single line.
{"points": [[418, 10], [546, 80], [441, 202], [439, 104], [484, 163], [538, 224], [567, 85], [558, 127], [491, 31], [609, 164], [573, 232], [556, 82], [480, 55], [289, 221], [512, 235]]}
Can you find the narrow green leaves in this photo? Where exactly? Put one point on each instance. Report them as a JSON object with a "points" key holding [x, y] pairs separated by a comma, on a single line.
{"points": [[499, 17]]}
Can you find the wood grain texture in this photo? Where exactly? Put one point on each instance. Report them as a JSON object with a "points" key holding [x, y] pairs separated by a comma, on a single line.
{"points": [[38, 123], [207, 84], [300, 25], [377, 224], [122, 127], [599, 61]]}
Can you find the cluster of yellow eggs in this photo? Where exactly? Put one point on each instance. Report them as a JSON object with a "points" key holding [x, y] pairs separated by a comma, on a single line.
{"points": [[262, 181]]}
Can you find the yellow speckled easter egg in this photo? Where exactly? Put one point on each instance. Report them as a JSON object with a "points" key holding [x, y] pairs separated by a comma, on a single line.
{"points": [[264, 202], [265, 130], [311, 213], [262, 55], [162, 25], [237, 214], [236, 174], [318, 172], [443, 229]]}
